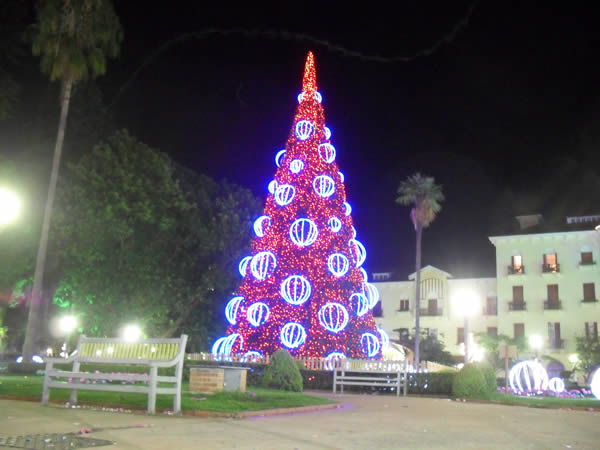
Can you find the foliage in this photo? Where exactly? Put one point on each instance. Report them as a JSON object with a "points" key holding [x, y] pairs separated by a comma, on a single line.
{"points": [[588, 351], [24, 368], [433, 383], [75, 38], [489, 374], [491, 345], [426, 196], [469, 382], [431, 348], [282, 372]]}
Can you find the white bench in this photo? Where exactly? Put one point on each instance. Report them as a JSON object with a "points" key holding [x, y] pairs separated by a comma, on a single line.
{"points": [[365, 377], [151, 353]]}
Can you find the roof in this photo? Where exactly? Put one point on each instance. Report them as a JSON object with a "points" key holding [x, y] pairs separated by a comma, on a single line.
{"points": [[429, 267]]}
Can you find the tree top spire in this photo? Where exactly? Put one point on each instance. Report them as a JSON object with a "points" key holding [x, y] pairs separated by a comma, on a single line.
{"points": [[309, 82]]}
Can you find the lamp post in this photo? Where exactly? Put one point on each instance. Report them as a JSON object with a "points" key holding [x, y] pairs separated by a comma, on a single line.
{"points": [[67, 325], [10, 206], [536, 342], [131, 333], [466, 304]]}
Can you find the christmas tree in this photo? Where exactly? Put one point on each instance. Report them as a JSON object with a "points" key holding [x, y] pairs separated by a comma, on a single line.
{"points": [[303, 287]]}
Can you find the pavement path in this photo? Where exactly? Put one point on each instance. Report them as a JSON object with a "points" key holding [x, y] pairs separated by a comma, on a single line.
{"points": [[363, 422]]}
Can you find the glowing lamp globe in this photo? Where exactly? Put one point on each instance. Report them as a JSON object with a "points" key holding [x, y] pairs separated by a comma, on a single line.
{"points": [[10, 205], [292, 335], [536, 342], [295, 289], [303, 232], [304, 129], [131, 333], [466, 303], [67, 324], [333, 317], [324, 186], [369, 344], [573, 358]]}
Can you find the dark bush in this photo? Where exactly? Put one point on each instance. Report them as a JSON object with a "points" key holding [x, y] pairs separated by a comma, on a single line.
{"points": [[435, 383], [31, 368], [469, 382], [282, 373], [489, 375], [317, 379]]}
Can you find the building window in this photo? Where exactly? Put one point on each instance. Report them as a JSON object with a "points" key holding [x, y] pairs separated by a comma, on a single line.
{"points": [[554, 339], [589, 292], [553, 302], [517, 304], [402, 334], [403, 305], [492, 331], [460, 335], [550, 263], [591, 330], [516, 266], [519, 330], [491, 306], [587, 258]]}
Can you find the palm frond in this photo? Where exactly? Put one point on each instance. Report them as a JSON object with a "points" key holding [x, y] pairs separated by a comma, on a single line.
{"points": [[421, 192]]}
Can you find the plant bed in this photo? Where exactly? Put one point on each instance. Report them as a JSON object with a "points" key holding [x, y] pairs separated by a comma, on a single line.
{"points": [[256, 399], [544, 401]]}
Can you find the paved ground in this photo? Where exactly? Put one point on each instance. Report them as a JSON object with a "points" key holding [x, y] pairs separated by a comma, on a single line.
{"points": [[364, 422]]}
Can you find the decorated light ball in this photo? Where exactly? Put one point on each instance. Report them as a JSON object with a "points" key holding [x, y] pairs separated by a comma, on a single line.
{"points": [[353, 232], [347, 208], [263, 265], [317, 96], [333, 317], [327, 132], [384, 338], [257, 313], [334, 224], [304, 129], [251, 356], [334, 360], [363, 272], [338, 264], [324, 186], [359, 304], [261, 224], [371, 293], [358, 251], [295, 289], [292, 335], [556, 385], [341, 176], [595, 385], [296, 166], [231, 309], [369, 344], [279, 157], [272, 186], [224, 345], [327, 153], [528, 376], [284, 194], [243, 265], [303, 232]]}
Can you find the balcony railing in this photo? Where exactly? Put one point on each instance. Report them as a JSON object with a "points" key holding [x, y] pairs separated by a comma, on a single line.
{"points": [[552, 304], [587, 263], [516, 306], [490, 311], [589, 300], [431, 312], [556, 343], [516, 270], [551, 268]]}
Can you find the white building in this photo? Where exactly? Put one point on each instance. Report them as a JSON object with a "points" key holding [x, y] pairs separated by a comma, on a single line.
{"points": [[545, 285]]}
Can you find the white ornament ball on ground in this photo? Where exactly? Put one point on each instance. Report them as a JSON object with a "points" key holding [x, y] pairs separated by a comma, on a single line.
{"points": [[596, 384]]}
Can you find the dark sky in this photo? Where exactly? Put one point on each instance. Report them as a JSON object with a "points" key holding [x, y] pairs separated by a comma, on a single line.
{"points": [[489, 114]]}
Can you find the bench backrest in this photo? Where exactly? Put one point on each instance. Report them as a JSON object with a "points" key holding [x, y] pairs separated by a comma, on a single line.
{"points": [[111, 349]]}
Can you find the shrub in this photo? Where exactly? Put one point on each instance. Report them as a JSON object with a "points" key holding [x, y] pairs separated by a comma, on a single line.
{"points": [[24, 368], [489, 375], [433, 383], [469, 382], [282, 373]]}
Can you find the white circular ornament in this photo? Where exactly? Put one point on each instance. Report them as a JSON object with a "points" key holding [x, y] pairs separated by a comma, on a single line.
{"points": [[341, 176], [327, 132], [556, 385], [292, 335], [257, 313], [334, 360], [223, 346], [369, 344], [371, 293], [359, 303], [334, 224], [284, 194], [261, 225], [353, 231], [338, 264], [279, 157], [251, 356], [272, 186], [595, 385], [347, 208], [295, 289], [296, 166], [243, 265], [303, 232], [317, 96], [324, 186], [384, 338], [358, 251], [263, 265], [304, 129], [528, 376], [327, 153], [333, 317], [231, 309]]}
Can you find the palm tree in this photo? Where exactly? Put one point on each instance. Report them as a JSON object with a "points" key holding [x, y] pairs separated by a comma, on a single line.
{"points": [[73, 39], [425, 196]]}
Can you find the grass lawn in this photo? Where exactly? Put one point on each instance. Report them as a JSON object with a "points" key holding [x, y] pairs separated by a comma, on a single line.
{"points": [[544, 402], [30, 387]]}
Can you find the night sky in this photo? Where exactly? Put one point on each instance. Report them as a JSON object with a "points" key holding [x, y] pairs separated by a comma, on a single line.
{"points": [[492, 114]]}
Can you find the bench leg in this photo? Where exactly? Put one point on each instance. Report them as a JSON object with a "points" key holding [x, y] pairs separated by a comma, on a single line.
{"points": [[152, 392], [46, 388], [177, 399], [73, 396]]}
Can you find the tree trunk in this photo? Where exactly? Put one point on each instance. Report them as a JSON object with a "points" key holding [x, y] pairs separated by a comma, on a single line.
{"points": [[419, 232], [35, 307]]}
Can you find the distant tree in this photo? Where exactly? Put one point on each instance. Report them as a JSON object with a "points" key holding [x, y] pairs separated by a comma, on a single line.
{"points": [[431, 348], [588, 351], [74, 39], [491, 346], [426, 198]]}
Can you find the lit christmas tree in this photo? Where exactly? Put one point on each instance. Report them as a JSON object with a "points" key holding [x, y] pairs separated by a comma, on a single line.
{"points": [[303, 287]]}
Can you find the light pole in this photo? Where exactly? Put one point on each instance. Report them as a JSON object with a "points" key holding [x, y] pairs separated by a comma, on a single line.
{"points": [[10, 206], [466, 304], [67, 325]]}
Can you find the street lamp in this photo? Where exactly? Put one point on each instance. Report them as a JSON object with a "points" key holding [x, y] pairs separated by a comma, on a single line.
{"points": [[67, 325], [10, 206], [536, 342], [466, 304], [131, 333]]}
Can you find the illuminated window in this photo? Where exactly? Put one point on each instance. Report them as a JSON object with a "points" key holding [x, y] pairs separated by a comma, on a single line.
{"points": [[550, 262], [516, 264]]}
